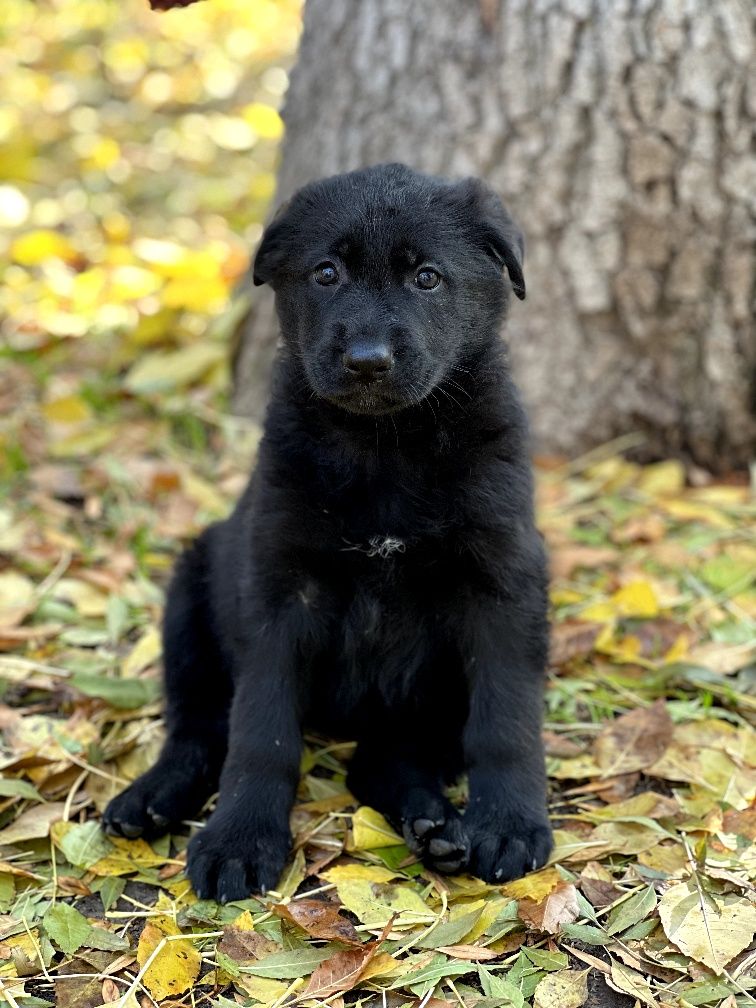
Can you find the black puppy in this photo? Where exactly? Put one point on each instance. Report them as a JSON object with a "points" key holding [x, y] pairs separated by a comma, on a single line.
{"points": [[381, 578]]}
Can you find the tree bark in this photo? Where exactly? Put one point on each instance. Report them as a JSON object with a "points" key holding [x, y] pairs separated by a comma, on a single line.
{"points": [[619, 133]]}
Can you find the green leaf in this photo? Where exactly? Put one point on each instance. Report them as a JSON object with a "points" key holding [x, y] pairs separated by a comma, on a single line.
{"points": [[67, 927], [10, 787], [290, 965], [84, 844], [426, 978], [99, 938], [500, 987], [126, 694], [586, 933], [633, 910], [111, 891], [547, 960], [450, 932], [116, 618]]}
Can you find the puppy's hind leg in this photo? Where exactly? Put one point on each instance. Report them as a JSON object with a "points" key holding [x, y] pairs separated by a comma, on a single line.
{"points": [[398, 779], [198, 695]]}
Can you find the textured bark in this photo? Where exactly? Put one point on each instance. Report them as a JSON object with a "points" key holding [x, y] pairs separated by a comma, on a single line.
{"points": [[619, 133]]}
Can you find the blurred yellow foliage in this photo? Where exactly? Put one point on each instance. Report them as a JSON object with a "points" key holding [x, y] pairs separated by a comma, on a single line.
{"points": [[137, 160]]}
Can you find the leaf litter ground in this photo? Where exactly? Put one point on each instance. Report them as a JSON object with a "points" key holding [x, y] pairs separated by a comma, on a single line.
{"points": [[116, 447]]}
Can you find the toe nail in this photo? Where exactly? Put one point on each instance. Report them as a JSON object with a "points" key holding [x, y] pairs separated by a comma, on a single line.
{"points": [[422, 826], [130, 830], [439, 847], [160, 821]]}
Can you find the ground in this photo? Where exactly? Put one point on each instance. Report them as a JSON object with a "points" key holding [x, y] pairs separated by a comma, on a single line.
{"points": [[139, 152]]}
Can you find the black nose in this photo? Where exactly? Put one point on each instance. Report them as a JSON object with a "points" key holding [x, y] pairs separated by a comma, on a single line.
{"points": [[368, 362]]}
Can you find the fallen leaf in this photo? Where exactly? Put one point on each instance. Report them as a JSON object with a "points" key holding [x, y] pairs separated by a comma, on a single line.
{"points": [[370, 830], [177, 964], [341, 972], [67, 927], [320, 920], [712, 929], [565, 989], [33, 823], [628, 981], [559, 907], [635, 740]]}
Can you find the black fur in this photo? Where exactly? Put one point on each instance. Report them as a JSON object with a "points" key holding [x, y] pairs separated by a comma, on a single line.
{"points": [[381, 577]]}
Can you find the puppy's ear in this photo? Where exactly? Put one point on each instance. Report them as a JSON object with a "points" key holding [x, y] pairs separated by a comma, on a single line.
{"points": [[498, 233], [272, 249]]}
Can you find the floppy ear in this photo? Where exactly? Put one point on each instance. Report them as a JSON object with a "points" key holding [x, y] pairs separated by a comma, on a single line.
{"points": [[499, 234], [272, 249]]}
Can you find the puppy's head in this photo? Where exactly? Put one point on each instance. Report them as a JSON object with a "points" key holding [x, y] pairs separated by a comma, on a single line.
{"points": [[387, 280]]}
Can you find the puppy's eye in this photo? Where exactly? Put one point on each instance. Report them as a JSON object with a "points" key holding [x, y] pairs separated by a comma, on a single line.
{"points": [[325, 274], [427, 279]]}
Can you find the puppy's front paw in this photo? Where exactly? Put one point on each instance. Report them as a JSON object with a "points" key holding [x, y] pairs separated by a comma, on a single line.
{"points": [[433, 830], [507, 847], [150, 806], [228, 860]]}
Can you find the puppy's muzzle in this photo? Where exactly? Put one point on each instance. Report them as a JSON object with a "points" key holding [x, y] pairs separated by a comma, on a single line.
{"points": [[368, 362]]}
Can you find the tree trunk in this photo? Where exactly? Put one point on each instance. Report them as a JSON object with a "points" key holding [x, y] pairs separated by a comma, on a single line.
{"points": [[619, 134]]}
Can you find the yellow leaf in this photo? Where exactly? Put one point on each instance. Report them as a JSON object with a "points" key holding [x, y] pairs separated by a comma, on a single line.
{"points": [[177, 964], [365, 891], [195, 293], [69, 409], [662, 478], [712, 929], [535, 886], [36, 247], [688, 510], [132, 282], [16, 598], [129, 856], [370, 830], [262, 989], [598, 612], [358, 872], [86, 599], [145, 652], [636, 599], [563, 989], [264, 120]]}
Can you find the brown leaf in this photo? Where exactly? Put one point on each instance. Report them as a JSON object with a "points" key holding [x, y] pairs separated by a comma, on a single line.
{"points": [[339, 973], [743, 823], [597, 885], [559, 907], [635, 740], [320, 920], [245, 947], [343, 970], [558, 745], [73, 886], [110, 991], [564, 561], [472, 953], [572, 639]]}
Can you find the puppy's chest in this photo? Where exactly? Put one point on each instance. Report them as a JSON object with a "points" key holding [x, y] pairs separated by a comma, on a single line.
{"points": [[385, 525]]}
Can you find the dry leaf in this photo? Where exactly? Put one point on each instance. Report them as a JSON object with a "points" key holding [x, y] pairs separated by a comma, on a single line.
{"points": [[634, 740], [712, 929], [320, 920], [562, 989], [177, 964], [559, 907]]}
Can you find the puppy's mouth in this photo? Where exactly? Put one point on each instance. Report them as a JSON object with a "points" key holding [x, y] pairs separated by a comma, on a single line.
{"points": [[368, 400]]}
